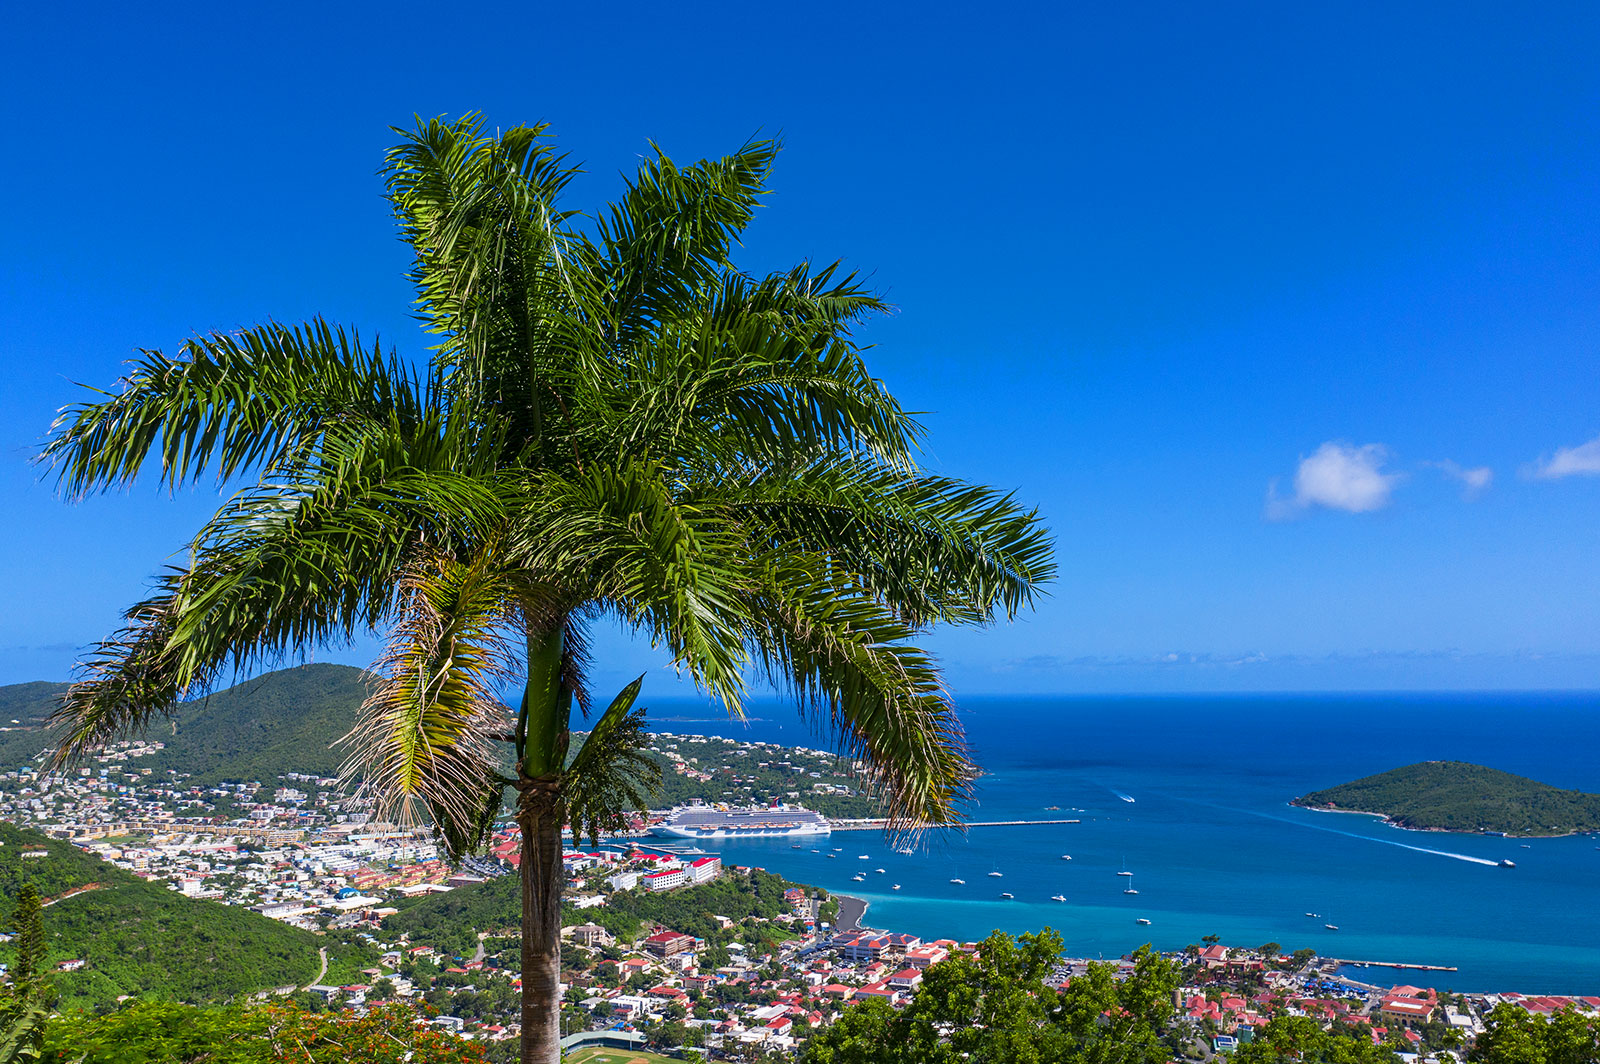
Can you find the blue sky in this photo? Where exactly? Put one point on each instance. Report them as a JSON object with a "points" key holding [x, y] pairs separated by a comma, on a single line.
{"points": [[1285, 318]]}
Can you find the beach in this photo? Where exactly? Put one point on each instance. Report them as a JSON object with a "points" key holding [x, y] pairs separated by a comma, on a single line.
{"points": [[851, 910]]}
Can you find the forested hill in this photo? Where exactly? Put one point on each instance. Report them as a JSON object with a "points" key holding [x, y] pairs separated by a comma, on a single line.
{"points": [[451, 922], [140, 938], [23, 710], [284, 721], [1457, 796]]}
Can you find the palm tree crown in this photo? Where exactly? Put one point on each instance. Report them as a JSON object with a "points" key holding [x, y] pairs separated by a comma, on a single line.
{"points": [[615, 423]]}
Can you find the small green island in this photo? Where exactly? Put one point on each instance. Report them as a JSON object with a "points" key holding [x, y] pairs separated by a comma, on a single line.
{"points": [[1458, 796]]}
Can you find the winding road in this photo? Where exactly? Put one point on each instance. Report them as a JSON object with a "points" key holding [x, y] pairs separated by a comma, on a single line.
{"points": [[322, 952]]}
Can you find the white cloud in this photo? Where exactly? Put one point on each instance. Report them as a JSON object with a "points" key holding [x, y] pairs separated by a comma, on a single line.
{"points": [[1338, 476], [1473, 480], [1582, 460]]}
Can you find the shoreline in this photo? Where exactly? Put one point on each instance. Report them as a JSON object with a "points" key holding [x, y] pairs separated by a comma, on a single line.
{"points": [[851, 910], [1388, 819]]}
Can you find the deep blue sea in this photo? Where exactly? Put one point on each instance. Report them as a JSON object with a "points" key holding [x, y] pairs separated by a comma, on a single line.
{"points": [[1213, 844]]}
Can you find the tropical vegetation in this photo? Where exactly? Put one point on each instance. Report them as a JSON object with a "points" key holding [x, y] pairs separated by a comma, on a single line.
{"points": [[1303, 1040], [451, 922], [1516, 1036], [165, 1033], [139, 938], [616, 425], [1001, 1004], [1458, 796]]}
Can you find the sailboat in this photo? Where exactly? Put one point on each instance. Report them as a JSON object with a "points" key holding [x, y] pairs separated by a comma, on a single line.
{"points": [[1129, 888], [1124, 871]]}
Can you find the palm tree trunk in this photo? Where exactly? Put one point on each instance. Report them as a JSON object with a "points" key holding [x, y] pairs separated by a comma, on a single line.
{"points": [[546, 705], [539, 817]]}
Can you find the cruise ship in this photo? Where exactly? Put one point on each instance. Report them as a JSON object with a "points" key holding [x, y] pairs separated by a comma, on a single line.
{"points": [[775, 821]]}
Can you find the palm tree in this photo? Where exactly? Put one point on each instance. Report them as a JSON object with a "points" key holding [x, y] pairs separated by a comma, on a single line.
{"points": [[615, 425]]}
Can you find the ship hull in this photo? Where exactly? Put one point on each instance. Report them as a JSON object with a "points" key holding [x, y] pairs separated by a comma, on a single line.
{"points": [[667, 831]]}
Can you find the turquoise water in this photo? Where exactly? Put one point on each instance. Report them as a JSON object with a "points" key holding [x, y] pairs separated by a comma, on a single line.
{"points": [[1213, 844]]}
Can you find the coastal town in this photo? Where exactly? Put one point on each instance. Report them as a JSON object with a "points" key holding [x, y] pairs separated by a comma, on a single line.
{"points": [[646, 961]]}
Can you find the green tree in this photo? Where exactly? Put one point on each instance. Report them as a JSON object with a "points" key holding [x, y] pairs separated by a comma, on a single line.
{"points": [[26, 999], [1299, 1040], [1515, 1036], [997, 1006], [27, 923], [616, 425]]}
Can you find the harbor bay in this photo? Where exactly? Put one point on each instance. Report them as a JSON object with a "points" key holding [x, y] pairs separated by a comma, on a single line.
{"points": [[1214, 846]]}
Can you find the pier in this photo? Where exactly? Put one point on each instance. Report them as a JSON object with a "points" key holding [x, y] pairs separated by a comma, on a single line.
{"points": [[879, 824], [1393, 964]]}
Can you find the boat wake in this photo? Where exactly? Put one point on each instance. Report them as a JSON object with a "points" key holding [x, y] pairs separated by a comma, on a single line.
{"points": [[1354, 835], [1441, 853], [1403, 845]]}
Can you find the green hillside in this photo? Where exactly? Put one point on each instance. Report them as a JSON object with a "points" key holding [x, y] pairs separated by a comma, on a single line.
{"points": [[451, 922], [1457, 796], [142, 939], [29, 704], [284, 721]]}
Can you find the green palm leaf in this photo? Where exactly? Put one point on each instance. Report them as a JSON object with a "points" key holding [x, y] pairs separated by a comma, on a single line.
{"points": [[612, 772]]}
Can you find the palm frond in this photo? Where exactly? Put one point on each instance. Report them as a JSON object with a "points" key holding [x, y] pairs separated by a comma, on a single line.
{"points": [[669, 236], [425, 733], [618, 537], [847, 661], [123, 682], [754, 386], [933, 548], [609, 777], [308, 559], [251, 400], [491, 247]]}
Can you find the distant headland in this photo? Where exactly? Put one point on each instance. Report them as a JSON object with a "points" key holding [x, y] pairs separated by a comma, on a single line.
{"points": [[1457, 796]]}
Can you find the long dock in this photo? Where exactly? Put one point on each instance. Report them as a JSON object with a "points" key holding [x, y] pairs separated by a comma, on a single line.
{"points": [[1393, 964], [878, 825]]}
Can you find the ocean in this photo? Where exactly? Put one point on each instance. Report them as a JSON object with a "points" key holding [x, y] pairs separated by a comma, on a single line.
{"points": [[1214, 846]]}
